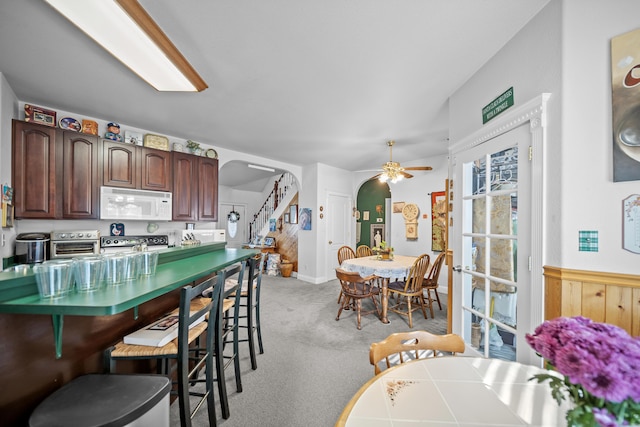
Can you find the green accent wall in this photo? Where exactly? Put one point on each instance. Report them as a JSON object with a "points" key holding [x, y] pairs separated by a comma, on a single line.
{"points": [[371, 194]]}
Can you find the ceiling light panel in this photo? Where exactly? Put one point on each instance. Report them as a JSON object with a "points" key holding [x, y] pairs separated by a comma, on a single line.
{"points": [[110, 26]]}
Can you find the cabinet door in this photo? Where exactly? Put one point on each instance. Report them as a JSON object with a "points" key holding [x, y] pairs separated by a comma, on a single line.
{"points": [[208, 189], [80, 176], [156, 169], [120, 165], [185, 186], [35, 157]]}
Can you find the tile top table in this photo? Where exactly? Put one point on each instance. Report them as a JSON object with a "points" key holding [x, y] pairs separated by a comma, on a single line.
{"points": [[455, 391]]}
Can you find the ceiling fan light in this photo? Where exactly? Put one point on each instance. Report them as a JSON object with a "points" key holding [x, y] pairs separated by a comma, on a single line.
{"points": [[383, 177]]}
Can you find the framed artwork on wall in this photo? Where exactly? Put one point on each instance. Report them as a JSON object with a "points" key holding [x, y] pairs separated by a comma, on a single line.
{"points": [[377, 234], [305, 219], [438, 221], [293, 214], [286, 218]]}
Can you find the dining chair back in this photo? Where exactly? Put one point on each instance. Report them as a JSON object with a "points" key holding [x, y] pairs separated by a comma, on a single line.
{"points": [[363, 251], [410, 289], [402, 347], [355, 288], [430, 283], [344, 252]]}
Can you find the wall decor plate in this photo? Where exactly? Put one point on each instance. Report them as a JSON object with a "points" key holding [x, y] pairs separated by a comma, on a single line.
{"points": [[156, 141], [69, 123], [211, 153]]}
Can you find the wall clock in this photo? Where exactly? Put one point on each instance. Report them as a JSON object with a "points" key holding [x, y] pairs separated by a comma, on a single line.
{"points": [[410, 214]]}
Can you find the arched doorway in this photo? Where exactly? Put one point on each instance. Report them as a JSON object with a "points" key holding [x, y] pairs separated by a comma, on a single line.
{"points": [[371, 217]]}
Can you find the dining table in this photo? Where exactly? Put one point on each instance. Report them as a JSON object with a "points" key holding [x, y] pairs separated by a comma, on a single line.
{"points": [[396, 268], [455, 391]]}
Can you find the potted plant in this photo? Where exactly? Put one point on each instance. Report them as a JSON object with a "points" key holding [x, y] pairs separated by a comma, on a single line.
{"points": [[383, 251], [193, 146]]}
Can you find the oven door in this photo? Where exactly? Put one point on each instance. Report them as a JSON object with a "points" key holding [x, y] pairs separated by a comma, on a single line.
{"points": [[70, 249]]}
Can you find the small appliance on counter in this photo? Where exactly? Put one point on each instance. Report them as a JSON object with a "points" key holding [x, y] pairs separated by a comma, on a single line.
{"points": [[73, 243], [155, 242], [32, 248]]}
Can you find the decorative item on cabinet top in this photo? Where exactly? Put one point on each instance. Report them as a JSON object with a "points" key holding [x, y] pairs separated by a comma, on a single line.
{"points": [[131, 137], [156, 141], [89, 126], [69, 123], [113, 132], [35, 114]]}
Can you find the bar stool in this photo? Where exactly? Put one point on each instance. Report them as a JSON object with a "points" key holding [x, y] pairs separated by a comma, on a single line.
{"points": [[250, 302]]}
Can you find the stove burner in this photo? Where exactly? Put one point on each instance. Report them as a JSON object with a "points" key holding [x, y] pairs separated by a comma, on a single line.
{"points": [[129, 241]]}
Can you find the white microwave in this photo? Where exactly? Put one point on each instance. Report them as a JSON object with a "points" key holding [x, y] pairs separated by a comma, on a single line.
{"points": [[130, 204]]}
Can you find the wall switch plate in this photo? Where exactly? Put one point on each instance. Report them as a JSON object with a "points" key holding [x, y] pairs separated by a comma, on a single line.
{"points": [[588, 241]]}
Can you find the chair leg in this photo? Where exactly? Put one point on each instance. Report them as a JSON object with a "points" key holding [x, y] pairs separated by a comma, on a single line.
{"points": [[236, 350], [358, 311], [258, 326], [438, 298], [250, 330], [183, 392], [409, 312], [222, 384]]}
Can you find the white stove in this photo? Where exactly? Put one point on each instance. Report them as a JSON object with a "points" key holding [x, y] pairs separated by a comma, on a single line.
{"points": [[110, 244]]}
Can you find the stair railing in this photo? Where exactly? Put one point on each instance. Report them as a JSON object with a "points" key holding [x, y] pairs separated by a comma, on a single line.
{"points": [[280, 189]]}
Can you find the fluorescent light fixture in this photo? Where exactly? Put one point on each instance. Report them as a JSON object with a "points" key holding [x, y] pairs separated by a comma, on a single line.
{"points": [[127, 31], [262, 168]]}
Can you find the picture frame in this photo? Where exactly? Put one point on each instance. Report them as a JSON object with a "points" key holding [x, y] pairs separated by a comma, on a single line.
{"points": [[134, 138], [376, 229], [438, 221], [293, 214], [397, 207], [269, 241], [35, 114], [305, 219], [365, 215], [286, 218]]}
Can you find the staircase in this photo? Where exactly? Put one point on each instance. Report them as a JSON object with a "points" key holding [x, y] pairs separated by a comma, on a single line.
{"points": [[277, 201]]}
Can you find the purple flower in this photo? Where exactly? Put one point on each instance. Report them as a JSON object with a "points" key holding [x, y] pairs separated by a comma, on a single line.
{"points": [[606, 419]]}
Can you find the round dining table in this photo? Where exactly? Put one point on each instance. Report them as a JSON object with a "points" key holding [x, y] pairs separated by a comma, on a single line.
{"points": [[388, 269], [455, 391]]}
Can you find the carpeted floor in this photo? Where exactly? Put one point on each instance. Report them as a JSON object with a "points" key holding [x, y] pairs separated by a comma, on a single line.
{"points": [[312, 365]]}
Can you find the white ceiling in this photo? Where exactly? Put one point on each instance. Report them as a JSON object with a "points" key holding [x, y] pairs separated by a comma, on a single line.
{"points": [[300, 81]]}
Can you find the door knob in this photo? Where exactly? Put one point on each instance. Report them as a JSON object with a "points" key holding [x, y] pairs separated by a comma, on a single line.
{"points": [[457, 268], [330, 242]]}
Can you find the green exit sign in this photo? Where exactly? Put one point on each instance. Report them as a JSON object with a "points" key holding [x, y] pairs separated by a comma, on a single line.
{"points": [[497, 106]]}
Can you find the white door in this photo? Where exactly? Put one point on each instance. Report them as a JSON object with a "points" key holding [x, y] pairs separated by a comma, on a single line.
{"points": [[234, 240], [492, 212], [338, 218]]}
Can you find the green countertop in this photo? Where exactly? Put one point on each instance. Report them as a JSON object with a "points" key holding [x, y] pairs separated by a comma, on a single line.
{"points": [[177, 267]]}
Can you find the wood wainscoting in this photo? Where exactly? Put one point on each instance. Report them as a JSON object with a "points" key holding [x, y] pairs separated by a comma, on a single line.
{"points": [[604, 297]]}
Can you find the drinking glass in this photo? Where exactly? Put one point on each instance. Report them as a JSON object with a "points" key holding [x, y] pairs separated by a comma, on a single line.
{"points": [[89, 272], [54, 278], [148, 263]]}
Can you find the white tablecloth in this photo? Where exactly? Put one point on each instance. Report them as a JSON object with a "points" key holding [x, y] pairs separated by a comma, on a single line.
{"points": [[396, 269]]}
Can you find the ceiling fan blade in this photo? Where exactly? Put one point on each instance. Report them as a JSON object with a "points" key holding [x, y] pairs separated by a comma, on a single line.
{"points": [[418, 168], [406, 175], [376, 176]]}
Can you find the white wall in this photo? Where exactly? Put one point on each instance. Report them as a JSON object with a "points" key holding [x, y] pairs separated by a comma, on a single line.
{"points": [[8, 110], [531, 63], [592, 201], [565, 50]]}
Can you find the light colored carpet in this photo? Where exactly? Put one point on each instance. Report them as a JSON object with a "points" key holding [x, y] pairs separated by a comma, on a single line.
{"points": [[312, 364]]}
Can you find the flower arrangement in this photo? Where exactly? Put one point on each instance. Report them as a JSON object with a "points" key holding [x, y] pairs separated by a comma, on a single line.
{"points": [[601, 367], [383, 251], [192, 145]]}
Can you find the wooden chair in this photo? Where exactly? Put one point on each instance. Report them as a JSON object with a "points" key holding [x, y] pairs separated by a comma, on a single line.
{"points": [[355, 288], [250, 304], [411, 289], [430, 282], [405, 346], [345, 252], [363, 251]]}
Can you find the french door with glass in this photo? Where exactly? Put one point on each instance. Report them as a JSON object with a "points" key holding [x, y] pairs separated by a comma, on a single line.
{"points": [[497, 297]]}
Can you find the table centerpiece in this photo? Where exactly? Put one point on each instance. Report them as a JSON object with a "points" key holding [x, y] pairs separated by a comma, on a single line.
{"points": [[383, 251]]}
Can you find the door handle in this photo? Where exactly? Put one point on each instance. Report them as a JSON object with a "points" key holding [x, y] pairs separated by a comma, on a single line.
{"points": [[330, 242], [457, 268]]}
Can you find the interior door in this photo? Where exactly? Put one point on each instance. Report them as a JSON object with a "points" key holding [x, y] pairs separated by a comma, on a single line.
{"points": [[338, 221], [492, 245], [241, 226]]}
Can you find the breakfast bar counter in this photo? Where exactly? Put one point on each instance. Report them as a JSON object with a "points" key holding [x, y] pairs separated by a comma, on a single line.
{"points": [[177, 267]]}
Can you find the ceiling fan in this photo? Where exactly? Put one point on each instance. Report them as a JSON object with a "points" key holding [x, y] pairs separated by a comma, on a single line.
{"points": [[392, 171]]}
